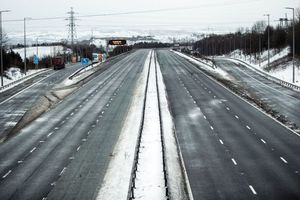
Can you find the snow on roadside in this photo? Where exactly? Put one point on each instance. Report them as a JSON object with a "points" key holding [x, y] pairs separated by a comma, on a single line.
{"points": [[18, 75], [206, 67], [117, 179]]}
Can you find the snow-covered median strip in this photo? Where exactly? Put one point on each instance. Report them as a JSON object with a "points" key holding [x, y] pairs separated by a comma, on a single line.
{"points": [[150, 183], [117, 179]]}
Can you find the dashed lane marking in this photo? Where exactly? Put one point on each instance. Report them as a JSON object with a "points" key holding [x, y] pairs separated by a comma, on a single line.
{"points": [[248, 127], [7, 173], [252, 190], [49, 134], [284, 160], [78, 148], [234, 162], [221, 141], [33, 149], [263, 141], [236, 116]]}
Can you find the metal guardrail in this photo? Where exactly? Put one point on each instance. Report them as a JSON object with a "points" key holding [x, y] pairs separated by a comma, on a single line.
{"points": [[22, 79], [270, 77]]}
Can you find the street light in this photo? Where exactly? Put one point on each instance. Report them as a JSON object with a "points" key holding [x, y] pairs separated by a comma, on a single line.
{"points": [[268, 15], [1, 11], [25, 18], [293, 41]]}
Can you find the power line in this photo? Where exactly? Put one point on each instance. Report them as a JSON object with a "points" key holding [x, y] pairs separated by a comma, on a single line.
{"points": [[142, 11]]}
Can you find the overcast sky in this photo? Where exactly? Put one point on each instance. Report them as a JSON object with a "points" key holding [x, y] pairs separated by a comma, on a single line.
{"points": [[191, 15]]}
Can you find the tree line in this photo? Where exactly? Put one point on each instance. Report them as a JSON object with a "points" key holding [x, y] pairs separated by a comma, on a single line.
{"points": [[251, 40]]}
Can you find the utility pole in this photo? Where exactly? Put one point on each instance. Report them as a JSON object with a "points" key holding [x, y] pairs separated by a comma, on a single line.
{"points": [[25, 68], [268, 15], [1, 45], [293, 42], [37, 52]]}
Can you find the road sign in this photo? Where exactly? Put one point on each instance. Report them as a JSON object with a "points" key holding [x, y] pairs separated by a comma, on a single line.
{"points": [[117, 42], [35, 59], [84, 61]]}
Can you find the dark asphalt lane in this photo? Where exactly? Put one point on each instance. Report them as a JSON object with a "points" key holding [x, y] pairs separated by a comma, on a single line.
{"points": [[280, 98], [230, 149], [68, 149], [17, 100]]}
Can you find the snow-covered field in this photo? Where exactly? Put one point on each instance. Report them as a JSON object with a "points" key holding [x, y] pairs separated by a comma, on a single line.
{"points": [[42, 51]]}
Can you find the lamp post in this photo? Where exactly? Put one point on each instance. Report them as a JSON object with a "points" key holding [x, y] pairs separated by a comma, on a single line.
{"points": [[1, 11], [25, 18], [293, 41], [268, 15]]}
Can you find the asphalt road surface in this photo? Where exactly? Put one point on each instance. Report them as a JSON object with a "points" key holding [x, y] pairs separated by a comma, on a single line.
{"points": [[230, 149], [17, 100], [64, 153], [281, 99]]}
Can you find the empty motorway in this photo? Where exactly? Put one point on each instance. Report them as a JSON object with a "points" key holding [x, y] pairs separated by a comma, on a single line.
{"points": [[229, 149]]}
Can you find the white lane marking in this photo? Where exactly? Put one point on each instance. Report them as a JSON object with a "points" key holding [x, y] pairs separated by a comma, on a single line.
{"points": [[7, 173], [204, 117], [212, 128], [252, 190], [234, 162], [102, 112], [33, 149], [221, 141], [63, 122], [263, 141], [80, 106], [71, 114], [248, 127], [194, 102], [78, 148], [284, 160], [41, 141], [227, 108], [107, 105], [20, 161], [62, 171], [215, 97], [236, 116], [83, 140], [56, 128], [49, 134]]}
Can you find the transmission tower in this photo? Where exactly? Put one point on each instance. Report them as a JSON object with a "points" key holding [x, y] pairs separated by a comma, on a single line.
{"points": [[72, 28]]}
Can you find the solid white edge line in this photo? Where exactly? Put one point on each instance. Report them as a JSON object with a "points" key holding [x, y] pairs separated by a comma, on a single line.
{"points": [[252, 190], [263, 112]]}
